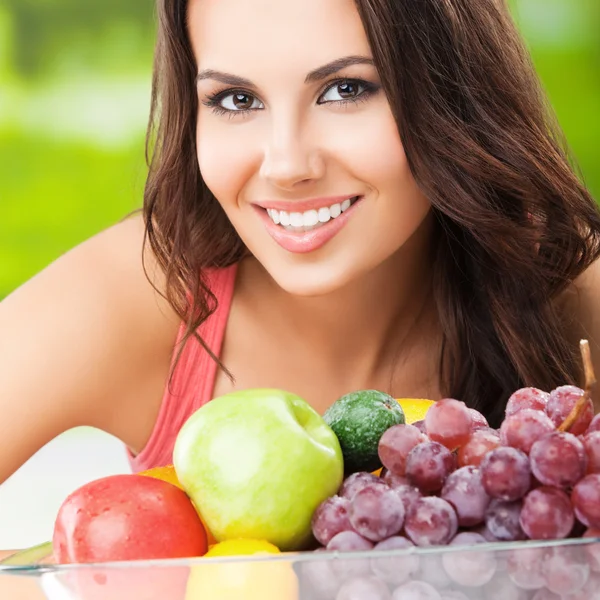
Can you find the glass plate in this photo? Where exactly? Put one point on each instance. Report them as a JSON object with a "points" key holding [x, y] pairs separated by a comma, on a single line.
{"points": [[491, 571]]}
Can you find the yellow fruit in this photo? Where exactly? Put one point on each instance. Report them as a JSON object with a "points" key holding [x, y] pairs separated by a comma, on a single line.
{"points": [[242, 580], [251, 580], [167, 473], [242, 547], [414, 409]]}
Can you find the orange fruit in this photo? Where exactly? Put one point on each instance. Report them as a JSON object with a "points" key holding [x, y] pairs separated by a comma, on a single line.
{"points": [[414, 409], [167, 473]]}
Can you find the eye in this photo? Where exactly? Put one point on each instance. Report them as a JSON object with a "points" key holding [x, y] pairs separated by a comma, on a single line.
{"points": [[343, 91], [239, 101]]}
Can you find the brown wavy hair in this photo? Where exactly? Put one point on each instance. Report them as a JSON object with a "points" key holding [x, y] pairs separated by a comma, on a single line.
{"points": [[515, 226]]}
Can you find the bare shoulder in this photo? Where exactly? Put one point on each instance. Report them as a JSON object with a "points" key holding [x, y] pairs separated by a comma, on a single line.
{"points": [[580, 305], [87, 341]]}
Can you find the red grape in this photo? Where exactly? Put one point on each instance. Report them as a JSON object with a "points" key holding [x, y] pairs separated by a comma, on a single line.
{"points": [[420, 425], [528, 397], [561, 402], [453, 595], [409, 494], [345, 568], [502, 520], [431, 521], [502, 587], [594, 424], [478, 445], [448, 422], [565, 570], [357, 481], [586, 500], [470, 568], [589, 591], [428, 464], [547, 514], [521, 429], [546, 594], [395, 569], [377, 512], [478, 420], [524, 567], [395, 444], [416, 590], [485, 532], [464, 490], [558, 459], [505, 473], [320, 576], [364, 588], [431, 570], [330, 517], [593, 549], [394, 481], [591, 443], [349, 541]]}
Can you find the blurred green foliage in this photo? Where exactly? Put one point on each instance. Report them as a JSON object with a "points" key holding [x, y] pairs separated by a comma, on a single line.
{"points": [[74, 98]]}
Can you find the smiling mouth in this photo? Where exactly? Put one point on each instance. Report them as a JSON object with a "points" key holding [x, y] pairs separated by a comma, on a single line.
{"points": [[311, 219]]}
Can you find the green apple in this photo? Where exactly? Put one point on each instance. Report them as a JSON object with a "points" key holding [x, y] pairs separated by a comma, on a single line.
{"points": [[257, 463]]}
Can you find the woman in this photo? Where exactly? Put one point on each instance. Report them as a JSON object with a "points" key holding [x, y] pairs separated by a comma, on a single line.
{"points": [[342, 195]]}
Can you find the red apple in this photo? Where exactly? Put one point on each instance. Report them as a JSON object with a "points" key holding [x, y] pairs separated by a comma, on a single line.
{"points": [[127, 517]]}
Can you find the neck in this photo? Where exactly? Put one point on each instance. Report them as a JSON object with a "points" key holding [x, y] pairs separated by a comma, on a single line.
{"points": [[364, 331]]}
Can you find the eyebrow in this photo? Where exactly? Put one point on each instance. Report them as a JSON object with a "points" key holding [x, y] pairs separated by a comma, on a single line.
{"points": [[314, 76]]}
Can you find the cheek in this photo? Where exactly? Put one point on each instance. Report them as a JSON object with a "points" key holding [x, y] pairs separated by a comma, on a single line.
{"points": [[373, 152], [225, 160]]}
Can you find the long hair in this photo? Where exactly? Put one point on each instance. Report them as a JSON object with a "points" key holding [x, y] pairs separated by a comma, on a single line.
{"points": [[514, 224]]}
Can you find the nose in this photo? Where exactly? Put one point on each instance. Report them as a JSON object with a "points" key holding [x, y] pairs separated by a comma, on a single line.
{"points": [[291, 156]]}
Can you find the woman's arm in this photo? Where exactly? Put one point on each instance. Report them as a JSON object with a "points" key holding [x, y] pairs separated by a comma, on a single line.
{"points": [[85, 342]]}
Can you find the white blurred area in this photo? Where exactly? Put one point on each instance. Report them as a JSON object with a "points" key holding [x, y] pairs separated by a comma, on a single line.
{"points": [[30, 499]]}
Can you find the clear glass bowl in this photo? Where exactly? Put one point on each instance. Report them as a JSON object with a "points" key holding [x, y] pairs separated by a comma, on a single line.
{"points": [[498, 571]]}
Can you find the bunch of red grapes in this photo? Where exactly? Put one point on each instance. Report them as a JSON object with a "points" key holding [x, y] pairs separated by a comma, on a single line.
{"points": [[453, 480]]}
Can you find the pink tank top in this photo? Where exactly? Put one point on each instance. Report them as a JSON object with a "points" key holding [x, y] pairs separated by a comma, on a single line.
{"points": [[193, 379]]}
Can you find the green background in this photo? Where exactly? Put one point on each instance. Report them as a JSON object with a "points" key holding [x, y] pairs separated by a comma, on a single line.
{"points": [[74, 99]]}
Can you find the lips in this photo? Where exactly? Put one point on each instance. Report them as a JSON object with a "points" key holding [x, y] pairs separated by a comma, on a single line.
{"points": [[304, 205], [299, 238]]}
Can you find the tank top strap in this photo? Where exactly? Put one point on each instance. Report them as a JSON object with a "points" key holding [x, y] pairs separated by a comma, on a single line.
{"points": [[193, 377]]}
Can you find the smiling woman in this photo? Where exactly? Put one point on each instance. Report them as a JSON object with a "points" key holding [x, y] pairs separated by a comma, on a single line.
{"points": [[341, 196], [297, 136]]}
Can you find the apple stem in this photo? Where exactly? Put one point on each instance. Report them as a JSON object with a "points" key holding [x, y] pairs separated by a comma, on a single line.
{"points": [[590, 382]]}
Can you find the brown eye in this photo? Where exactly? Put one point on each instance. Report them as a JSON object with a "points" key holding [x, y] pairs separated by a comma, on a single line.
{"points": [[242, 101], [347, 90], [237, 102]]}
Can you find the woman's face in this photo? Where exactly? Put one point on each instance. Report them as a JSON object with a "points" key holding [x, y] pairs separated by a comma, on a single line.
{"points": [[297, 141]]}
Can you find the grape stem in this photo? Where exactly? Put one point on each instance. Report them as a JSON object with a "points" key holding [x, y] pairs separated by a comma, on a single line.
{"points": [[590, 382]]}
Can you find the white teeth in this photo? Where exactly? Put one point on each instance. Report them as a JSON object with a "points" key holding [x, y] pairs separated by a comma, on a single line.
{"points": [[324, 215], [311, 219]]}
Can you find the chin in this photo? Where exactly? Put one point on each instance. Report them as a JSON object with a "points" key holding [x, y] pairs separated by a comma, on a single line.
{"points": [[312, 280]]}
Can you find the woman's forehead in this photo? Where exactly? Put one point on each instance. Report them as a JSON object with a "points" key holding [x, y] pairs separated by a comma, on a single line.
{"points": [[226, 34]]}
